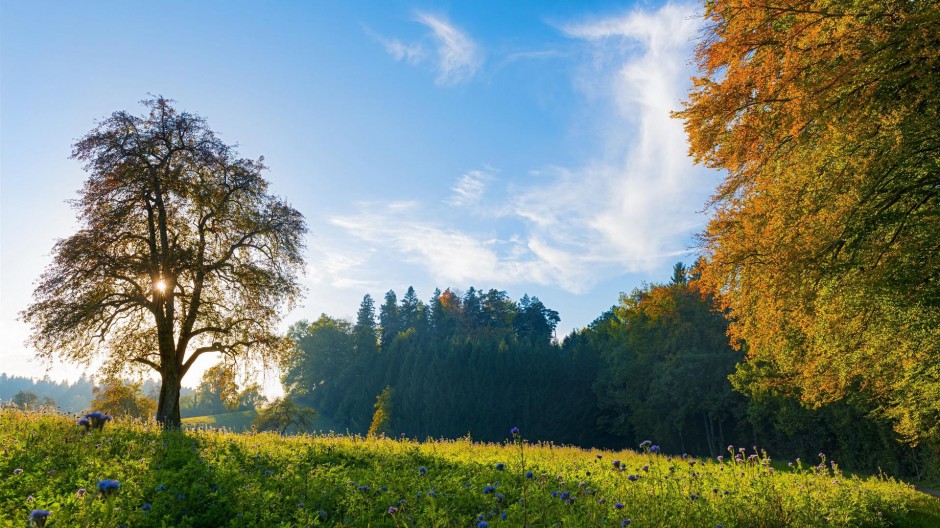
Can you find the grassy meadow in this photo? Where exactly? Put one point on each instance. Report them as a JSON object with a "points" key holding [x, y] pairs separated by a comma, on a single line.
{"points": [[216, 478]]}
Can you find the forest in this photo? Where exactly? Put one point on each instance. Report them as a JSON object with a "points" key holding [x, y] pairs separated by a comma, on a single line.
{"points": [[658, 366]]}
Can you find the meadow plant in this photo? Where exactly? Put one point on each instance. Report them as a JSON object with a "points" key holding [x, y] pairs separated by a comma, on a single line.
{"points": [[212, 478]]}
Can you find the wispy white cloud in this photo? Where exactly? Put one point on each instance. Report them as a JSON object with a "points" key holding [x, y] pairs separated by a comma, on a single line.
{"points": [[469, 189], [455, 55], [630, 207]]}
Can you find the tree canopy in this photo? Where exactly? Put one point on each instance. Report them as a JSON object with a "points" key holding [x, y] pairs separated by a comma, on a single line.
{"points": [[824, 243], [181, 250]]}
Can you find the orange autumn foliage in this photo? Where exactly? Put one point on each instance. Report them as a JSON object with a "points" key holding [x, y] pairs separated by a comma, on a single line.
{"points": [[824, 240]]}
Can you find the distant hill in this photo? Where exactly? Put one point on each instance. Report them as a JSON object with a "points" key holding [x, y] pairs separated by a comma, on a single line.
{"points": [[241, 421]]}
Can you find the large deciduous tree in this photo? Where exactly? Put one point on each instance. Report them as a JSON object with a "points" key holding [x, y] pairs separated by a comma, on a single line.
{"points": [[181, 250], [824, 242]]}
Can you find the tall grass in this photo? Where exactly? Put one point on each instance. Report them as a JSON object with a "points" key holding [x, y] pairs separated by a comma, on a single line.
{"points": [[209, 478]]}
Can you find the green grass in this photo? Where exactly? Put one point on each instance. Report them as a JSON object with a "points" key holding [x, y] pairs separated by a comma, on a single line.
{"points": [[213, 478]]}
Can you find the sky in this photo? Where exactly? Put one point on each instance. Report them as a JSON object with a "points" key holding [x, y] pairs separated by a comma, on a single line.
{"points": [[521, 146]]}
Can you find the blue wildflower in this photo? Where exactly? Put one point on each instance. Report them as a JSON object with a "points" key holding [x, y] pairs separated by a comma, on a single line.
{"points": [[38, 517], [528, 474], [363, 488], [503, 516], [97, 419], [625, 522], [500, 466], [17, 471], [618, 505], [392, 510], [482, 524], [180, 496], [499, 496], [146, 507], [514, 431], [161, 487], [108, 487], [422, 471], [654, 449], [632, 478], [489, 489], [85, 423], [616, 463]]}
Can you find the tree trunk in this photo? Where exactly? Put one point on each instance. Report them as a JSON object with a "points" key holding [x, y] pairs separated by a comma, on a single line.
{"points": [[168, 408]]}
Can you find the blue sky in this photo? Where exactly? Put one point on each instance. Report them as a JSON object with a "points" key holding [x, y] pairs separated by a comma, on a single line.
{"points": [[523, 146]]}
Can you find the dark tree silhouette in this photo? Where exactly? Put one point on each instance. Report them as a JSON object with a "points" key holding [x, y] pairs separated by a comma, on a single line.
{"points": [[180, 251]]}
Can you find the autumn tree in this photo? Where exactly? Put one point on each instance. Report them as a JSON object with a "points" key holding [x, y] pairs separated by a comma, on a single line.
{"points": [[119, 398], [181, 250], [824, 240]]}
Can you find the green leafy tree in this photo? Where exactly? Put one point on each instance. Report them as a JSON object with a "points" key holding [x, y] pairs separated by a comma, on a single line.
{"points": [[25, 399], [284, 414], [181, 251]]}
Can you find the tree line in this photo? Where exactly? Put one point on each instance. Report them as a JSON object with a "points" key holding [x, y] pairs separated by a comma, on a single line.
{"points": [[655, 366]]}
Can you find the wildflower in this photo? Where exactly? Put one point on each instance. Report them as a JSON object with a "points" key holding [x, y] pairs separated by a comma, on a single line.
{"points": [[161, 487], [514, 431], [499, 496], [618, 505], [17, 471], [503, 516], [80, 492], [180, 496], [422, 471], [97, 419], [85, 423], [146, 507], [500, 466], [108, 487], [488, 489], [645, 443], [268, 472], [625, 522], [632, 478], [392, 510], [654, 449], [600, 456], [692, 496], [30, 498], [528, 474], [38, 517], [363, 488], [617, 464], [482, 524], [721, 459], [646, 468]]}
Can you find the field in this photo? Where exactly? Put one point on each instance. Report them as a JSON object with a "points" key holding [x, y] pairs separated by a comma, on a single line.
{"points": [[209, 478]]}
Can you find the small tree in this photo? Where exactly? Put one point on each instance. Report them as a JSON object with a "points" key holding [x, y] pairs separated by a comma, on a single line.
{"points": [[284, 413], [118, 398], [383, 413], [25, 399], [180, 251]]}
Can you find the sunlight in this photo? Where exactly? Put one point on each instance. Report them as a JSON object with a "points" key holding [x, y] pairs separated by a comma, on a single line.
{"points": [[160, 286]]}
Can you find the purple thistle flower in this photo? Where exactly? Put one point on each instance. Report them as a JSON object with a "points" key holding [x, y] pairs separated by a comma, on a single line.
{"points": [[654, 449], [38, 517], [616, 463], [108, 487], [392, 510]]}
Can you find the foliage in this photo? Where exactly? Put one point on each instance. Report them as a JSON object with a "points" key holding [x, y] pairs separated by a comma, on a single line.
{"points": [[120, 398], [219, 391], [823, 243], [666, 360], [458, 364], [383, 413], [206, 478], [25, 399], [285, 414], [181, 250]]}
